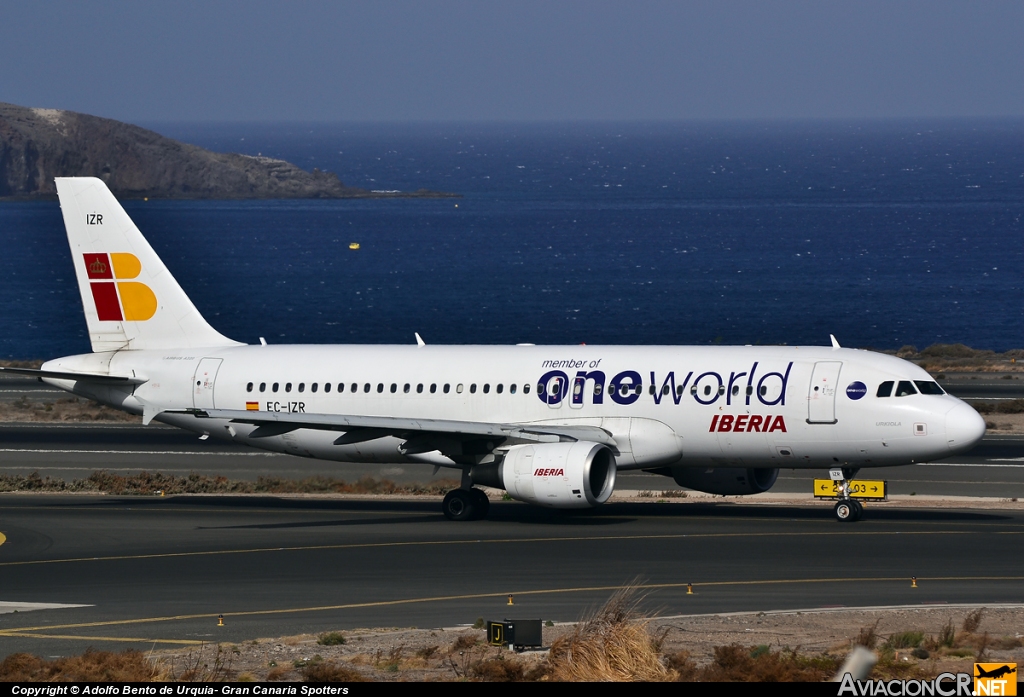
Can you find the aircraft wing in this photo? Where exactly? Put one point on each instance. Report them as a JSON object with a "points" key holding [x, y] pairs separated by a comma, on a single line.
{"points": [[358, 429], [83, 377]]}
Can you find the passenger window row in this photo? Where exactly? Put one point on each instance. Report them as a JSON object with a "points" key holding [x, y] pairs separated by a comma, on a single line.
{"points": [[906, 388], [380, 387]]}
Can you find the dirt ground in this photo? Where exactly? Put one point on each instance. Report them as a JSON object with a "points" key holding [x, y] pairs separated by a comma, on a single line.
{"points": [[443, 654]]}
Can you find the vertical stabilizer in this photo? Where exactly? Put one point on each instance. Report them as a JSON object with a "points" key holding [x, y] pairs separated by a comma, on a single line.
{"points": [[131, 301]]}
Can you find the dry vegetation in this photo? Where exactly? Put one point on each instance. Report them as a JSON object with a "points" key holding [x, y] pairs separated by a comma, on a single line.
{"points": [[615, 643], [92, 666], [939, 358], [62, 409], [146, 483]]}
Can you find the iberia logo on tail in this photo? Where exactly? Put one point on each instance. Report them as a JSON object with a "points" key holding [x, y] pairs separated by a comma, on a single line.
{"points": [[117, 297]]}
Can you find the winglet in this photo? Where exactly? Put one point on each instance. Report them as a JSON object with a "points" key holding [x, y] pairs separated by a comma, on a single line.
{"points": [[419, 339], [835, 344]]}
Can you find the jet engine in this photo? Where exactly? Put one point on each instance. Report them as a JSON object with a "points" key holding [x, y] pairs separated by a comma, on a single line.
{"points": [[727, 481], [554, 475]]}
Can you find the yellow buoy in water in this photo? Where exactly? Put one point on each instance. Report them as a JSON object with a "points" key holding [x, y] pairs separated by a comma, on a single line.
{"points": [[353, 245]]}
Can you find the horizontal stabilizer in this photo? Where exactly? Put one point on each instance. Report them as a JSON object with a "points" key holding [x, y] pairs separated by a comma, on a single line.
{"points": [[82, 377]]}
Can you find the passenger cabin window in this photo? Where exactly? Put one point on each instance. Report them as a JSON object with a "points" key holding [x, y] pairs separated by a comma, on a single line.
{"points": [[312, 388], [380, 387], [750, 390], [366, 387], [928, 387], [487, 388], [274, 388], [526, 388], [512, 388], [499, 388], [302, 387], [904, 388], [763, 391], [458, 388], [355, 387], [405, 388], [263, 387], [472, 388], [433, 388], [394, 388], [447, 388], [419, 388], [327, 387], [287, 387], [885, 389], [735, 390], [248, 388]]}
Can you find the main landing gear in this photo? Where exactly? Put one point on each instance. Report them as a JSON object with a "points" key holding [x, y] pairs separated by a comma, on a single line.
{"points": [[847, 509], [465, 504]]}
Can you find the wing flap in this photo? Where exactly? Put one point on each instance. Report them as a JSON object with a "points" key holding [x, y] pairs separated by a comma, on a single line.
{"points": [[364, 428]]}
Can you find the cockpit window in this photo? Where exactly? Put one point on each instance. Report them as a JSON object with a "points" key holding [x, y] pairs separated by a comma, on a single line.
{"points": [[885, 389], [928, 387], [905, 388]]}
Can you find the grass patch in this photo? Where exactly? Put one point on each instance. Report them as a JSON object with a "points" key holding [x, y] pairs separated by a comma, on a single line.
{"points": [[331, 639], [330, 672], [905, 640]]}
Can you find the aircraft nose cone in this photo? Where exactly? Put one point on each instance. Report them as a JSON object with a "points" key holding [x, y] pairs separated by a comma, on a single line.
{"points": [[964, 427]]}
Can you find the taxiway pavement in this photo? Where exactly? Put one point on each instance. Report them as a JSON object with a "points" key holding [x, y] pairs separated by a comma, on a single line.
{"points": [[158, 571]]}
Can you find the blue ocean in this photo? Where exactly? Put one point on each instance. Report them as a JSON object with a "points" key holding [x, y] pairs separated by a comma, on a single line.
{"points": [[882, 233]]}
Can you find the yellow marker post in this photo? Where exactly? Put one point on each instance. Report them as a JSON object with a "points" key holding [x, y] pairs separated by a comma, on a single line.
{"points": [[220, 620], [913, 581], [510, 601], [689, 589]]}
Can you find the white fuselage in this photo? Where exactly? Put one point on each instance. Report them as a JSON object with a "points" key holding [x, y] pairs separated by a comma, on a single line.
{"points": [[790, 407]]}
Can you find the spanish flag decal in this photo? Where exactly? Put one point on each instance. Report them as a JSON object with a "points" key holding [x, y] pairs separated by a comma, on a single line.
{"points": [[252, 406]]}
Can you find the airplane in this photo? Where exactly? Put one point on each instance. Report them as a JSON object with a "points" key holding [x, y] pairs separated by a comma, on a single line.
{"points": [[549, 425]]}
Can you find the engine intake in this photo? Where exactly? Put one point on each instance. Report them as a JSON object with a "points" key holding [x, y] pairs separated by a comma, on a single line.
{"points": [[555, 475], [727, 481]]}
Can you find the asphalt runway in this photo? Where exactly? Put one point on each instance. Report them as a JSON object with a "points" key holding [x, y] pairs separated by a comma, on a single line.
{"points": [[156, 572]]}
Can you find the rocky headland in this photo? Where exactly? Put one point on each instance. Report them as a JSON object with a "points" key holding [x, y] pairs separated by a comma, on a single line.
{"points": [[37, 145]]}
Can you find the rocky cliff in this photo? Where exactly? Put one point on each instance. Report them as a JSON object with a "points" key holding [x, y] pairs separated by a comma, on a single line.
{"points": [[37, 145]]}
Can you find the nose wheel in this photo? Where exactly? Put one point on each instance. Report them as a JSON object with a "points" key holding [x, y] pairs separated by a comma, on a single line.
{"points": [[848, 511]]}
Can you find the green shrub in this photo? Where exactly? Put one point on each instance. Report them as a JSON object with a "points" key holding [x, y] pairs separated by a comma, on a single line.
{"points": [[331, 639]]}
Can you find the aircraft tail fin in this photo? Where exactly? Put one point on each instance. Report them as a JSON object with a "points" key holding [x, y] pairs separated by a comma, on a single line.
{"points": [[131, 301]]}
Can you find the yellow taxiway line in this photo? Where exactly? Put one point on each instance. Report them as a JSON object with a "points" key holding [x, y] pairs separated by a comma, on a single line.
{"points": [[25, 631]]}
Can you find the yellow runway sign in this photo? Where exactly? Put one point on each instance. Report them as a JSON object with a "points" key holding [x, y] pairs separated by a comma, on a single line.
{"points": [[859, 489]]}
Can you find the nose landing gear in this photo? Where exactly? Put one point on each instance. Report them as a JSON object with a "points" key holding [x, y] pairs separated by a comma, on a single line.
{"points": [[847, 509]]}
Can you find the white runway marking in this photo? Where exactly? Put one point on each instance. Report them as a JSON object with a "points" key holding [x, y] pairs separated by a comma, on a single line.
{"points": [[28, 607]]}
